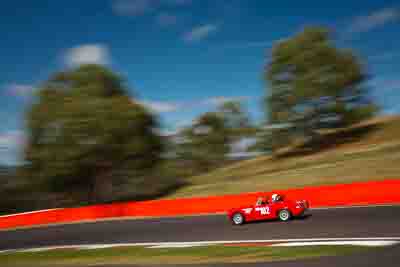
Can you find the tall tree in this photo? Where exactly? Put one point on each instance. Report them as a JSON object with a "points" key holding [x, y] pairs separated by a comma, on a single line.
{"points": [[313, 84], [237, 120], [83, 126], [234, 115], [207, 142]]}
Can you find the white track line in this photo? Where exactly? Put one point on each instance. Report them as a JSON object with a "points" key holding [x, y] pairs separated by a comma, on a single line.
{"points": [[367, 243], [25, 213], [339, 241], [180, 246]]}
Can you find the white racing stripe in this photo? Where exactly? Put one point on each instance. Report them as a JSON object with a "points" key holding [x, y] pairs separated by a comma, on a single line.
{"points": [[367, 241]]}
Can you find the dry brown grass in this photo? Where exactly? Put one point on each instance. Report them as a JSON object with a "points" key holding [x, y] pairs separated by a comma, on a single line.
{"points": [[369, 151]]}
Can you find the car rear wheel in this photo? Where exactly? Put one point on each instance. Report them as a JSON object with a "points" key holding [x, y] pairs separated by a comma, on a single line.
{"points": [[284, 215], [237, 219]]}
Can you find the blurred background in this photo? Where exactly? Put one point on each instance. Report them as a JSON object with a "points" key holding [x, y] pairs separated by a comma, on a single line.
{"points": [[117, 100]]}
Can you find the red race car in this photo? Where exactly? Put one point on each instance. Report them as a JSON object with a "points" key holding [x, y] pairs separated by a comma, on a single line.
{"points": [[275, 207]]}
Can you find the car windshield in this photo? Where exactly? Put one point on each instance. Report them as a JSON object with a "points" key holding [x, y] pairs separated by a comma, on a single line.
{"points": [[261, 201]]}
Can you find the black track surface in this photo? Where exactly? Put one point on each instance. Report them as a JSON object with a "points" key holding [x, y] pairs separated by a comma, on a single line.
{"points": [[332, 223]]}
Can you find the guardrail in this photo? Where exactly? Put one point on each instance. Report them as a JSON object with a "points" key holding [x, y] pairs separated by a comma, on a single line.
{"points": [[366, 193]]}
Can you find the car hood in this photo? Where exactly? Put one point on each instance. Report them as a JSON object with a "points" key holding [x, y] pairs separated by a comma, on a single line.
{"points": [[241, 208]]}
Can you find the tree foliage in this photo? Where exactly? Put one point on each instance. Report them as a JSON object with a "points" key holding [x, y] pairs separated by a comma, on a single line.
{"points": [[313, 85], [83, 127], [234, 115], [207, 142]]}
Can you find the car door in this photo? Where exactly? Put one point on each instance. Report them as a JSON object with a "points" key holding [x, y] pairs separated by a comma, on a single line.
{"points": [[263, 212]]}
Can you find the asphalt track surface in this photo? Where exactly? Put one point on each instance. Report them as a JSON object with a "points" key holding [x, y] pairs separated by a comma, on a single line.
{"points": [[331, 223]]}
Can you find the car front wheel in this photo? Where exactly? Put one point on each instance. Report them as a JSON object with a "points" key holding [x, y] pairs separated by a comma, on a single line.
{"points": [[284, 215], [237, 219]]}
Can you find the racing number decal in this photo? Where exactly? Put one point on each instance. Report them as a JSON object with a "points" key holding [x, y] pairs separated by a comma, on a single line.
{"points": [[263, 210]]}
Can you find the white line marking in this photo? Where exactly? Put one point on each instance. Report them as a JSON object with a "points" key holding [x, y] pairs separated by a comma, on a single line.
{"points": [[209, 243], [369, 243], [180, 246], [7, 251], [25, 213]]}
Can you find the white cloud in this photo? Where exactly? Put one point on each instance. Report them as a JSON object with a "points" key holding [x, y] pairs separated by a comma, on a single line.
{"points": [[166, 132], [179, 126], [20, 90], [199, 33], [11, 143], [218, 100], [11, 139], [243, 144], [168, 106], [87, 54], [376, 19], [182, 124], [160, 106]]}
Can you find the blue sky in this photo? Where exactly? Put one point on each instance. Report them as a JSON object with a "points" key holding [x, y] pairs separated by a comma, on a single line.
{"points": [[180, 57]]}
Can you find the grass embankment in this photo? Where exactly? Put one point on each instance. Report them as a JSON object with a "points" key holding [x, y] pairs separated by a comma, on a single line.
{"points": [[370, 151], [196, 255]]}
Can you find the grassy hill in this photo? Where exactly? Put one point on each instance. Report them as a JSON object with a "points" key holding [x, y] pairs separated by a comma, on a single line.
{"points": [[368, 151]]}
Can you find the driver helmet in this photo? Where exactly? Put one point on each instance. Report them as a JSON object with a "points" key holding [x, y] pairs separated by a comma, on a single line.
{"points": [[275, 197]]}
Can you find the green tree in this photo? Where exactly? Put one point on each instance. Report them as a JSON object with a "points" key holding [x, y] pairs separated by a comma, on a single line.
{"points": [[206, 143], [83, 127], [234, 115], [313, 84], [237, 120]]}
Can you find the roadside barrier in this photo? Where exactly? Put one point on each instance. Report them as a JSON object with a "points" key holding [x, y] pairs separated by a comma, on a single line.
{"points": [[354, 194]]}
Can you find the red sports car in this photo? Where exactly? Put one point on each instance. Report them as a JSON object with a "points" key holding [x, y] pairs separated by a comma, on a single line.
{"points": [[275, 207]]}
